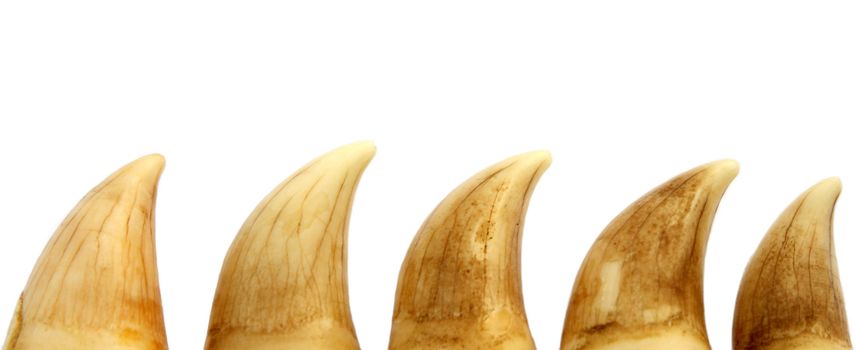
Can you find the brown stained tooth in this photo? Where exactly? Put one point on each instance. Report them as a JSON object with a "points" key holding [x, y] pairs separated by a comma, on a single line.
{"points": [[790, 296], [95, 286], [459, 286], [640, 287], [284, 280]]}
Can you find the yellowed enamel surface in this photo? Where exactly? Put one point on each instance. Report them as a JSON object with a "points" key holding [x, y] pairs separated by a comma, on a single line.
{"points": [[790, 296], [641, 284], [284, 280], [459, 286], [95, 286]]}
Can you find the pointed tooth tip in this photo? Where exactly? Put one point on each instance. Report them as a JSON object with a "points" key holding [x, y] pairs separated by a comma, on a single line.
{"points": [[144, 171], [727, 166], [367, 146], [360, 151], [830, 184], [825, 191], [724, 170], [151, 161], [541, 158], [146, 168]]}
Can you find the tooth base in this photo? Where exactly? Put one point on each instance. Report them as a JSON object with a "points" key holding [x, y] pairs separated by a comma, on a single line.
{"points": [[804, 343], [669, 339], [458, 344], [317, 335], [500, 332], [40, 337]]}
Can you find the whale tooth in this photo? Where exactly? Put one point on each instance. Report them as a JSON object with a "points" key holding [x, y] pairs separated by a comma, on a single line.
{"points": [[640, 286], [790, 296], [284, 281], [459, 286], [95, 285]]}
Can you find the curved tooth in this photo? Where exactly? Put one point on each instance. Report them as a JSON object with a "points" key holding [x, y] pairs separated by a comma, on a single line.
{"points": [[459, 286], [790, 296], [284, 280], [640, 287], [95, 286]]}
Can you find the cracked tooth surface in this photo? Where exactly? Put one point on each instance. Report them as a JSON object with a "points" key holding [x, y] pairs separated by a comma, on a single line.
{"points": [[459, 286], [790, 296], [284, 280], [640, 286], [95, 285]]}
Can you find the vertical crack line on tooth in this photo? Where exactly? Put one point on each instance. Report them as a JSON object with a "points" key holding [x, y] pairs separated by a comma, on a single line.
{"points": [[139, 236], [96, 271], [64, 275], [810, 266], [778, 255], [299, 231], [794, 260], [647, 198], [694, 248], [834, 283], [439, 231], [835, 286], [331, 277], [637, 237], [244, 243], [487, 239], [253, 238], [698, 227], [244, 236], [38, 287], [435, 290], [340, 277], [63, 227], [252, 278], [516, 284]]}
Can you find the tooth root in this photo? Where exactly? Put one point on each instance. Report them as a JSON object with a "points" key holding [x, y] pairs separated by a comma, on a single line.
{"points": [[640, 287], [790, 296], [284, 280], [459, 286], [96, 284]]}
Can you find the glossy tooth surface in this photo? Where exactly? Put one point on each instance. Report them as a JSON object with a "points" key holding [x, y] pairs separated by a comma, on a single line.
{"points": [[790, 296], [95, 286], [284, 283], [459, 286], [640, 286]]}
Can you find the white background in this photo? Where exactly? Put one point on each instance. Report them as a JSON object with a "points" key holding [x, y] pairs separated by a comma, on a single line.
{"points": [[239, 94]]}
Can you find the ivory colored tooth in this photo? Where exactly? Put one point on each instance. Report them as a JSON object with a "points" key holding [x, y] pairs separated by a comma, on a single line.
{"points": [[284, 280], [95, 286], [790, 296], [640, 287], [459, 286]]}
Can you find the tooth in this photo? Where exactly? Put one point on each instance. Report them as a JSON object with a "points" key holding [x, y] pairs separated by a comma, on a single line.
{"points": [[640, 287], [790, 297], [95, 286], [284, 280], [459, 286]]}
